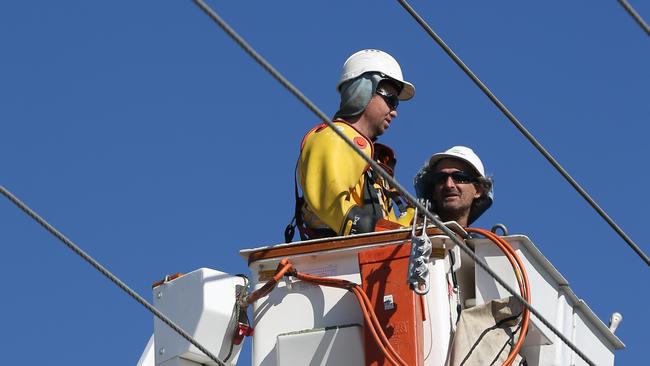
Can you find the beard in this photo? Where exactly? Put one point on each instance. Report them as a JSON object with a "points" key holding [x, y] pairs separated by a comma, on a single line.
{"points": [[452, 212]]}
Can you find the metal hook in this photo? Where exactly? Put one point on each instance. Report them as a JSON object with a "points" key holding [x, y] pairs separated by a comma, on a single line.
{"points": [[422, 291], [503, 228]]}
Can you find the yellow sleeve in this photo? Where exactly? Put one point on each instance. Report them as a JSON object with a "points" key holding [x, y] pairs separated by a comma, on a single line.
{"points": [[331, 173], [406, 219]]}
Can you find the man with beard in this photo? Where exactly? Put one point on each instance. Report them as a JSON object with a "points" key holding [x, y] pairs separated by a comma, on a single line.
{"points": [[454, 182]]}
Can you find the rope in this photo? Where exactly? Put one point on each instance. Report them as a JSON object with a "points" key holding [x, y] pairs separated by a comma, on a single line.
{"points": [[635, 15], [524, 131], [408, 196], [107, 273]]}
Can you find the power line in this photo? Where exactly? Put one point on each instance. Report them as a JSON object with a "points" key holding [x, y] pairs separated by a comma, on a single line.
{"points": [[309, 104], [525, 132], [635, 15], [75, 248]]}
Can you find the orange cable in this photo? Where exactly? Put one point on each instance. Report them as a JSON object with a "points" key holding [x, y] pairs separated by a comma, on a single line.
{"points": [[285, 267], [524, 285], [526, 314], [366, 307], [375, 335], [376, 324], [511, 255], [526, 295]]}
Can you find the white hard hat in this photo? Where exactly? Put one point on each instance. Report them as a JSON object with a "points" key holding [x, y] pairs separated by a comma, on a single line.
{"points": [[462, 153], [371, 60], [424, 186]]}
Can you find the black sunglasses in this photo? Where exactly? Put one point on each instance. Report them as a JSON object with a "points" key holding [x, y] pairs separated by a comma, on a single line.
{"points": [[459, 177], [391, 99]]}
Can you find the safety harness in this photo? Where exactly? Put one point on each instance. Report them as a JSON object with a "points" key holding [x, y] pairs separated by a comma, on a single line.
{"points": [[371, 210]]}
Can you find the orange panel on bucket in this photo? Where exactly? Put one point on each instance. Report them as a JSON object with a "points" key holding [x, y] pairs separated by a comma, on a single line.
{"points": [[383, 273]]}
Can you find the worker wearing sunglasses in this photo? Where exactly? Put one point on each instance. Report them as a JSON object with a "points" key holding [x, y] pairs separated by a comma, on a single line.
{"points": [[342, 195], [454, 181]]}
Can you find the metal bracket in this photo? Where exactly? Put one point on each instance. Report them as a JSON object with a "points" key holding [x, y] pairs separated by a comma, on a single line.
{"points": [[418, 271]]}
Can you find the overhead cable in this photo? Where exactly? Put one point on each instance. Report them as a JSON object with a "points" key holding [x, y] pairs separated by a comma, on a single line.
{"points": [[75, 248], [635, 15], [525, 132], [375, 166]]}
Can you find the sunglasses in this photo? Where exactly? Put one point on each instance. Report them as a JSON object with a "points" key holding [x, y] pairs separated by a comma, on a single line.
{"points": [[459, 177], [391, 99]]}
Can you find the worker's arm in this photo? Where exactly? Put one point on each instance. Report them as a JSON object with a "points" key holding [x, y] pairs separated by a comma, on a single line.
{"points": [[331, 177]]}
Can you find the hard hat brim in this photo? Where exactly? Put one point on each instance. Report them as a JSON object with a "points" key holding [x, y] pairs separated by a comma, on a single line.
{"points": [[439, 156], [407, 92]]}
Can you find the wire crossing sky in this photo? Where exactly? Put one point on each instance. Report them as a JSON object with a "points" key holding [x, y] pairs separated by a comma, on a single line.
{"points": [[636, 16], [525, 132], [119, 283]]}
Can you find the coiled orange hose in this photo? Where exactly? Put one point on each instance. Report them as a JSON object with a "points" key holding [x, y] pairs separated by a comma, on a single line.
{"points": [[522, 279]]}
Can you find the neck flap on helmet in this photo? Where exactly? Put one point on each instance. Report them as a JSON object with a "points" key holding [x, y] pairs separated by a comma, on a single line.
{"points": [[356, 94]]}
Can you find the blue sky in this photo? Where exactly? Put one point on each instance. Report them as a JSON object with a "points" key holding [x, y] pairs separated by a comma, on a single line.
{"points": [[150, 139]]}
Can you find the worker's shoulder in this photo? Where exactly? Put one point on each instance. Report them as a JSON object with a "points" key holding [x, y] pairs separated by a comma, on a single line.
{"points": [[323, 134]]}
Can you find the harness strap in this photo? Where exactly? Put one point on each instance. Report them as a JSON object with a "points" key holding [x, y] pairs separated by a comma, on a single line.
{"points": [[371, 202], [290, 230]]}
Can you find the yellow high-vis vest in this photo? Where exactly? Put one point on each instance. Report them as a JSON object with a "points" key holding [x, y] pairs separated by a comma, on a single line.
{"points": [[341, 192]]}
